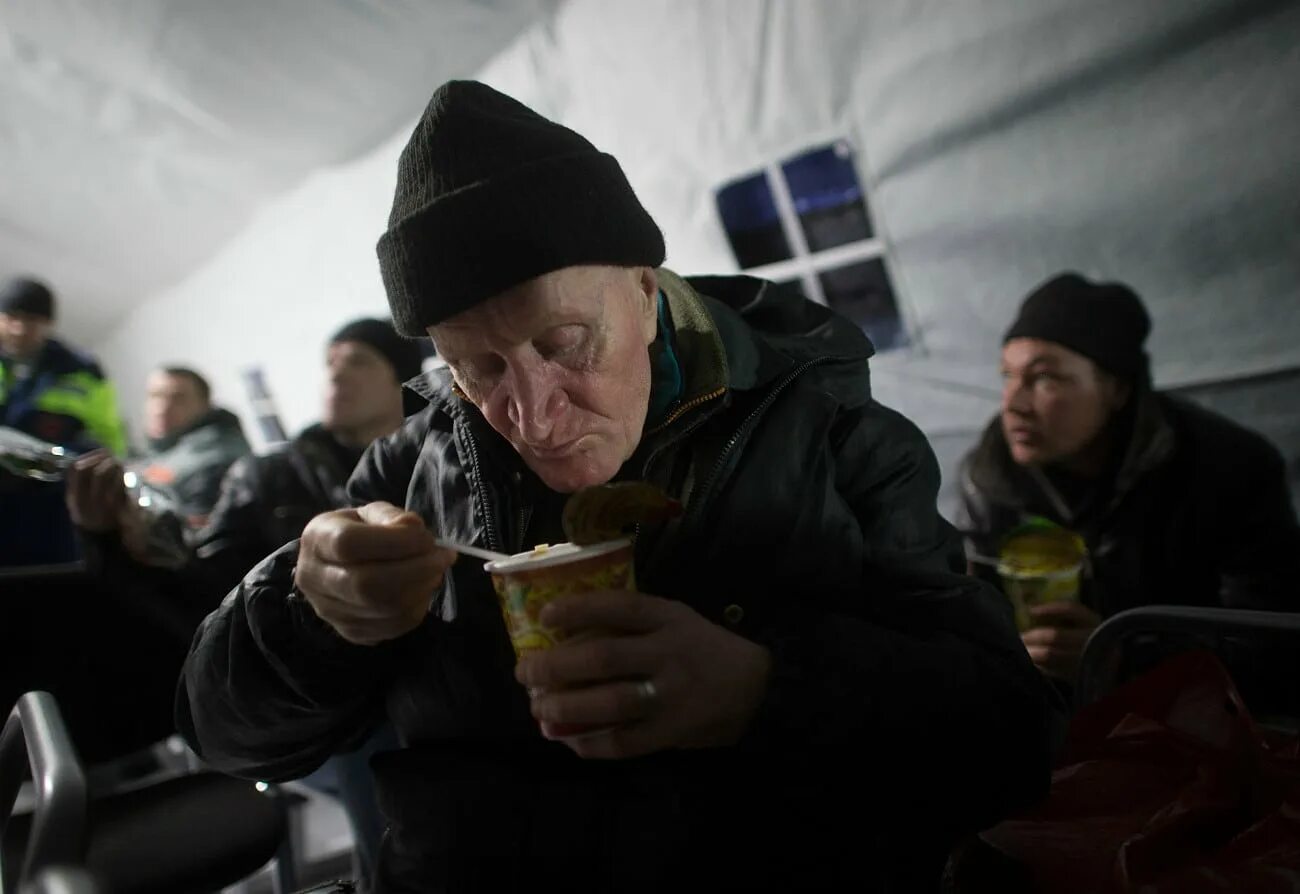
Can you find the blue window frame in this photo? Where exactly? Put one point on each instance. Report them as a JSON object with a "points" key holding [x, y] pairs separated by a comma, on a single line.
{"points": [[805, 222]]}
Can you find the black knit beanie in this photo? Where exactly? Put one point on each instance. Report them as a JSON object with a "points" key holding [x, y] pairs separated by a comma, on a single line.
{"points": [[489, 195], [402, 354], [1104, 322], [28, 296]]}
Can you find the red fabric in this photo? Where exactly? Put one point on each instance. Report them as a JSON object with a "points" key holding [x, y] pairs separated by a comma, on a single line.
{"points": [[1166, 786]]}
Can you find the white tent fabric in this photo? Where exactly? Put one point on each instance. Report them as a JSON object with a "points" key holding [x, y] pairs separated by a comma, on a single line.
{"points": [[136, 138], [1000, 141]]}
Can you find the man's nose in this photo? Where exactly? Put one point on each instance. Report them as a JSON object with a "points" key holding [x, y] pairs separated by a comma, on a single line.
{"points": [[535, 404]]}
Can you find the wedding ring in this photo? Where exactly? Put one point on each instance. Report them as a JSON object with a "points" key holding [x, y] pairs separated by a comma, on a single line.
{"points": [[647, 690]]}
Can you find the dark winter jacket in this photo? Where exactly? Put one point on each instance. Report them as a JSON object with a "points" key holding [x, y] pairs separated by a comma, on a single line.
{"points": [[902, 710], [1195, 512]]}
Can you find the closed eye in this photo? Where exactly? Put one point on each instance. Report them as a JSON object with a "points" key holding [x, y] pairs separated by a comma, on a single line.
{"points": [[561, 342], [478, 373]]}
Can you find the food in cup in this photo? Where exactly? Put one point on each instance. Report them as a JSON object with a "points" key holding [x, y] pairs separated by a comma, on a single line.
{"points": [[1040, 562], [609, 511]]}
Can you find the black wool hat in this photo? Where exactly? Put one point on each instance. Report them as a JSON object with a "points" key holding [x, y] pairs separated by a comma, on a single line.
{"points": [[402, 354], [489, 195], [1104, 322], [27, 296]]}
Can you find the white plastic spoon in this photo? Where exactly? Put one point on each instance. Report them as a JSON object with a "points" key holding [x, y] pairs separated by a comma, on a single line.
{"points": [[468, 550]]}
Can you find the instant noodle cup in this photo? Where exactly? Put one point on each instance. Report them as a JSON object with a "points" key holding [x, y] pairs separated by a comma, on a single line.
{"points": [[526, 582], [1039, 563]]}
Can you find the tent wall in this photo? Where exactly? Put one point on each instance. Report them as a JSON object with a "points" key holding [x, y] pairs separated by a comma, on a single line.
{"points": [[137, 138], [999, 142]]}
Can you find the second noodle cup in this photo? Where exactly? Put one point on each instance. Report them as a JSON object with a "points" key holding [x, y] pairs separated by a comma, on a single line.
{"points": [[526, 582], [1040, 564]]}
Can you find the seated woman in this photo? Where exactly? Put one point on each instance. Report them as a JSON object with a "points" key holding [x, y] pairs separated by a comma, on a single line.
{"points": [[1175, 504]]}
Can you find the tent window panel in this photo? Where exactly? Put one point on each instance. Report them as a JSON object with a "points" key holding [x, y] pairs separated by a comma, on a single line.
{"points": [[864, 293], [828, 197], [752, 221], [805, 223]]}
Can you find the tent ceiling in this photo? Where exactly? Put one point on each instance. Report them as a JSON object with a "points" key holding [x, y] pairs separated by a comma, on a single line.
{"points": [[136, 138]]}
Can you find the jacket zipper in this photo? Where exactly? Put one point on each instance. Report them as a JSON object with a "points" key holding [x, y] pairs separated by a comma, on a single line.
{"points": [[686, 408], [488, 524], [675, 415], [525, 516], [702, 494]]}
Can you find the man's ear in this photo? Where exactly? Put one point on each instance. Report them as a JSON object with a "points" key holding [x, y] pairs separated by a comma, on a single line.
{"points": [[647, 285]]}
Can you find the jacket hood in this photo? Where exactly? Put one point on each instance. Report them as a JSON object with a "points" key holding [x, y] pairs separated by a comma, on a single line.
{"points": [[769, 332], [787, 321]]}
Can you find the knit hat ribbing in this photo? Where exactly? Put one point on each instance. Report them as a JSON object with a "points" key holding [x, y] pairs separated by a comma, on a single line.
{"points": [[1104, 322], [489, 195], [402, 354]]}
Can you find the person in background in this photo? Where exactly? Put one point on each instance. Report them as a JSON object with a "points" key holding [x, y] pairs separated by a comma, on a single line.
{"points": [[57, 394], [191, 442], [816, 696], [265, 502], [1176, 504]]}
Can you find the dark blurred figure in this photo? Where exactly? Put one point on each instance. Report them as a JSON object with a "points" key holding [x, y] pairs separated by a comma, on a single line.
{"points": [[191, 442], [1177, 505], [56, 394], [264, 503]]}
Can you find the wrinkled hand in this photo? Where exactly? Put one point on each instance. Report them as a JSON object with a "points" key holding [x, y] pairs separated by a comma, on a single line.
{"points": [[1055, 642], [370, 573], [96, 495], [706, 682]]}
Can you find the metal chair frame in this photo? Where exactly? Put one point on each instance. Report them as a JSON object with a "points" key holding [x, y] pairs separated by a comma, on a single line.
{"points": [[34, 735], [1099, 666]]}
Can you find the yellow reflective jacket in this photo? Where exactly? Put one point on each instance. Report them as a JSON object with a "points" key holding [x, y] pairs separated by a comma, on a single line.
{"points": [[64, 399]]}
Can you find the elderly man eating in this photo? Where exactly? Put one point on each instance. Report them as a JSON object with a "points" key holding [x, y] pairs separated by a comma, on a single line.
{"points": [[804, 691]]}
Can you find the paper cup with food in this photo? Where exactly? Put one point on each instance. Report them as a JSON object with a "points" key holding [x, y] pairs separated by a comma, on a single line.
{"points": [[526, 582], [1040, 562], [598, 556]]}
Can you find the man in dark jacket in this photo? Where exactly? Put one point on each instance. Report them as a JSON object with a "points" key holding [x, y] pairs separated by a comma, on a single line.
{"points": [[1176, 505], [265, 502], [191, 442], [815, 694], [54, 393]]}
